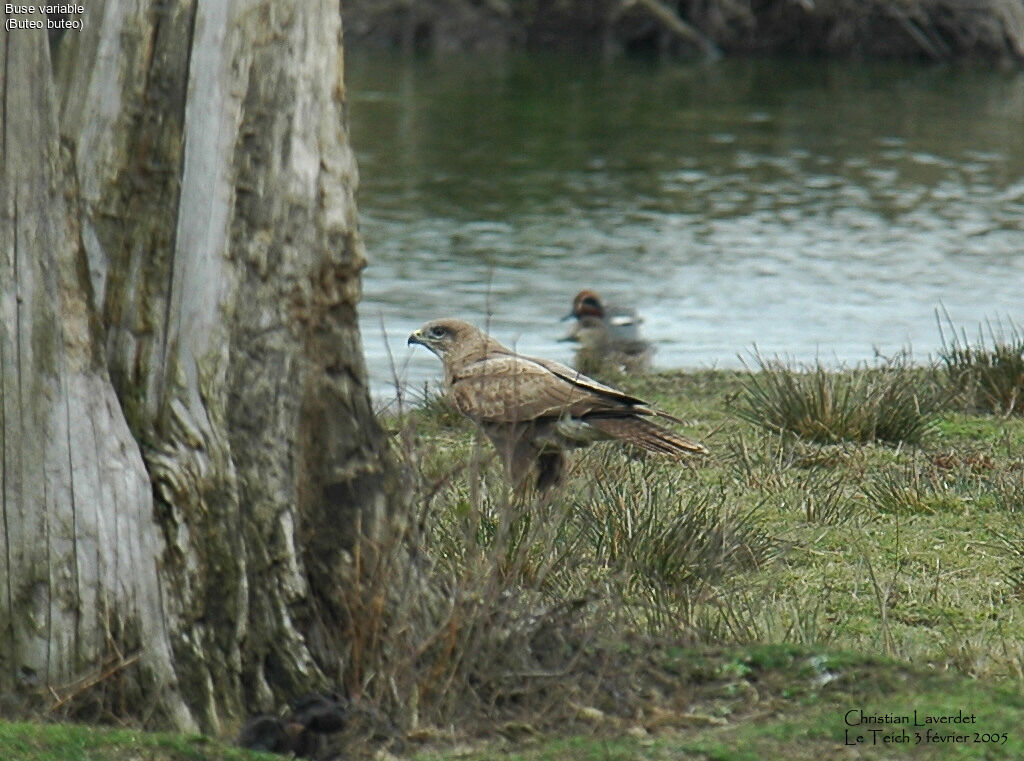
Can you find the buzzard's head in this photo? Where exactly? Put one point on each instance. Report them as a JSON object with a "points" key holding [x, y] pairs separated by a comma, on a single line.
{"points": [[441, 336]]}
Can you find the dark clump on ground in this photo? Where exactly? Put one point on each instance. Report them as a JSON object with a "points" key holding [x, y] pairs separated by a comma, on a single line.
{"points": [[935, 30], [303, 731], [318, 726]]}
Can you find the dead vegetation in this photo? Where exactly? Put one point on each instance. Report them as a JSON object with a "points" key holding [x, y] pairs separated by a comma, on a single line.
{"points": [[932, 30]]}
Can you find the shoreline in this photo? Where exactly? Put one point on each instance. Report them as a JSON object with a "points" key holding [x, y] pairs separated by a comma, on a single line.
{"points": [[924, 30]]}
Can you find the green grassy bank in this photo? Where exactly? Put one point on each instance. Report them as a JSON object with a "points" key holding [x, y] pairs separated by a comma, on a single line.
{"points": [[913, 551], [852, 544]]}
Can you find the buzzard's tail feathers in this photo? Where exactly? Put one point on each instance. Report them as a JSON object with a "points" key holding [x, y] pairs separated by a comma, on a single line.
{"points": [[645, 434]]}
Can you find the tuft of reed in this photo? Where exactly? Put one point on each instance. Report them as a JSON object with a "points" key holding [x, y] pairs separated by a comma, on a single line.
{"points": [[891, 403], [746, 615], [822, 498], [758, 462], [988, 373], [898, 493], [1010, 545], [917, 487], [1006, 489], [670, 543], [458, 615]]}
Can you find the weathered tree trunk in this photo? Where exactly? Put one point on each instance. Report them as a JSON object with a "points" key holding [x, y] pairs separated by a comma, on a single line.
{"points": [[188, 442]]}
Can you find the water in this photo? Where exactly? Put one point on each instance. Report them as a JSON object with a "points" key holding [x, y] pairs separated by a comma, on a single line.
{"points": [[817, 210]]}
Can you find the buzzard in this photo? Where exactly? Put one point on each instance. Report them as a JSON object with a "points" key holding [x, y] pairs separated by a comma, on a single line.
{"points": [[533, 410]]}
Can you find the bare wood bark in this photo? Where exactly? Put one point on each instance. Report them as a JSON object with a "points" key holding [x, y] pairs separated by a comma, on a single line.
{"points": [[218, 226], [80, 545]]}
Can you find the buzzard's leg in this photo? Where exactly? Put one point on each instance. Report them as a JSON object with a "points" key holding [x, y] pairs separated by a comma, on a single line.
{"points": [[522, 446], [514, 446], [550, 466]]}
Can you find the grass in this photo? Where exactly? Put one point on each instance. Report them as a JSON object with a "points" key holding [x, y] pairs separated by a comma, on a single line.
{"points": [[24, 741], [889, 403], [671, 541], [784, 702], [864, 510], [988, 373], [731, 607], [726, 703]]}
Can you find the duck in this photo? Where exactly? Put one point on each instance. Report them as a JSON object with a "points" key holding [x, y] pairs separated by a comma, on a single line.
{"points": [[601, 352], [623, 322]]}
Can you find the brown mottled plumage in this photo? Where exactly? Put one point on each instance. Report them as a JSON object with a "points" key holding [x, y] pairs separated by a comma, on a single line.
{"points": [[533, 410]]}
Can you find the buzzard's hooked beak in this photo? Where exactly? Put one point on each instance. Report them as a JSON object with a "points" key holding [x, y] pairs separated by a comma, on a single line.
{"points": [[415, 338]]}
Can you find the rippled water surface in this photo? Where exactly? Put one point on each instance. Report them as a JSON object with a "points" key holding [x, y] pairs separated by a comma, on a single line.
{"points": [[817, 210]]}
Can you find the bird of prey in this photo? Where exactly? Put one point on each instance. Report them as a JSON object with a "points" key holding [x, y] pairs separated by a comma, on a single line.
{"points": [[534, 410], [623, 322], [599, 350]]}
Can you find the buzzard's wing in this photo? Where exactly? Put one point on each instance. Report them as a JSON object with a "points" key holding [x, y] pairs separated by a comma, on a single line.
{"points": [[626, 403], [507, 388], [585, 382]]}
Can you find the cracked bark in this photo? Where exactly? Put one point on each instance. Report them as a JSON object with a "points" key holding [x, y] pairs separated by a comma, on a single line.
{"points": [[188, 442]]}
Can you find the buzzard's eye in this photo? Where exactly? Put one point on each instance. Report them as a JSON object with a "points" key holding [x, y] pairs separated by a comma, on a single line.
{"points": [[438, 332]]}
